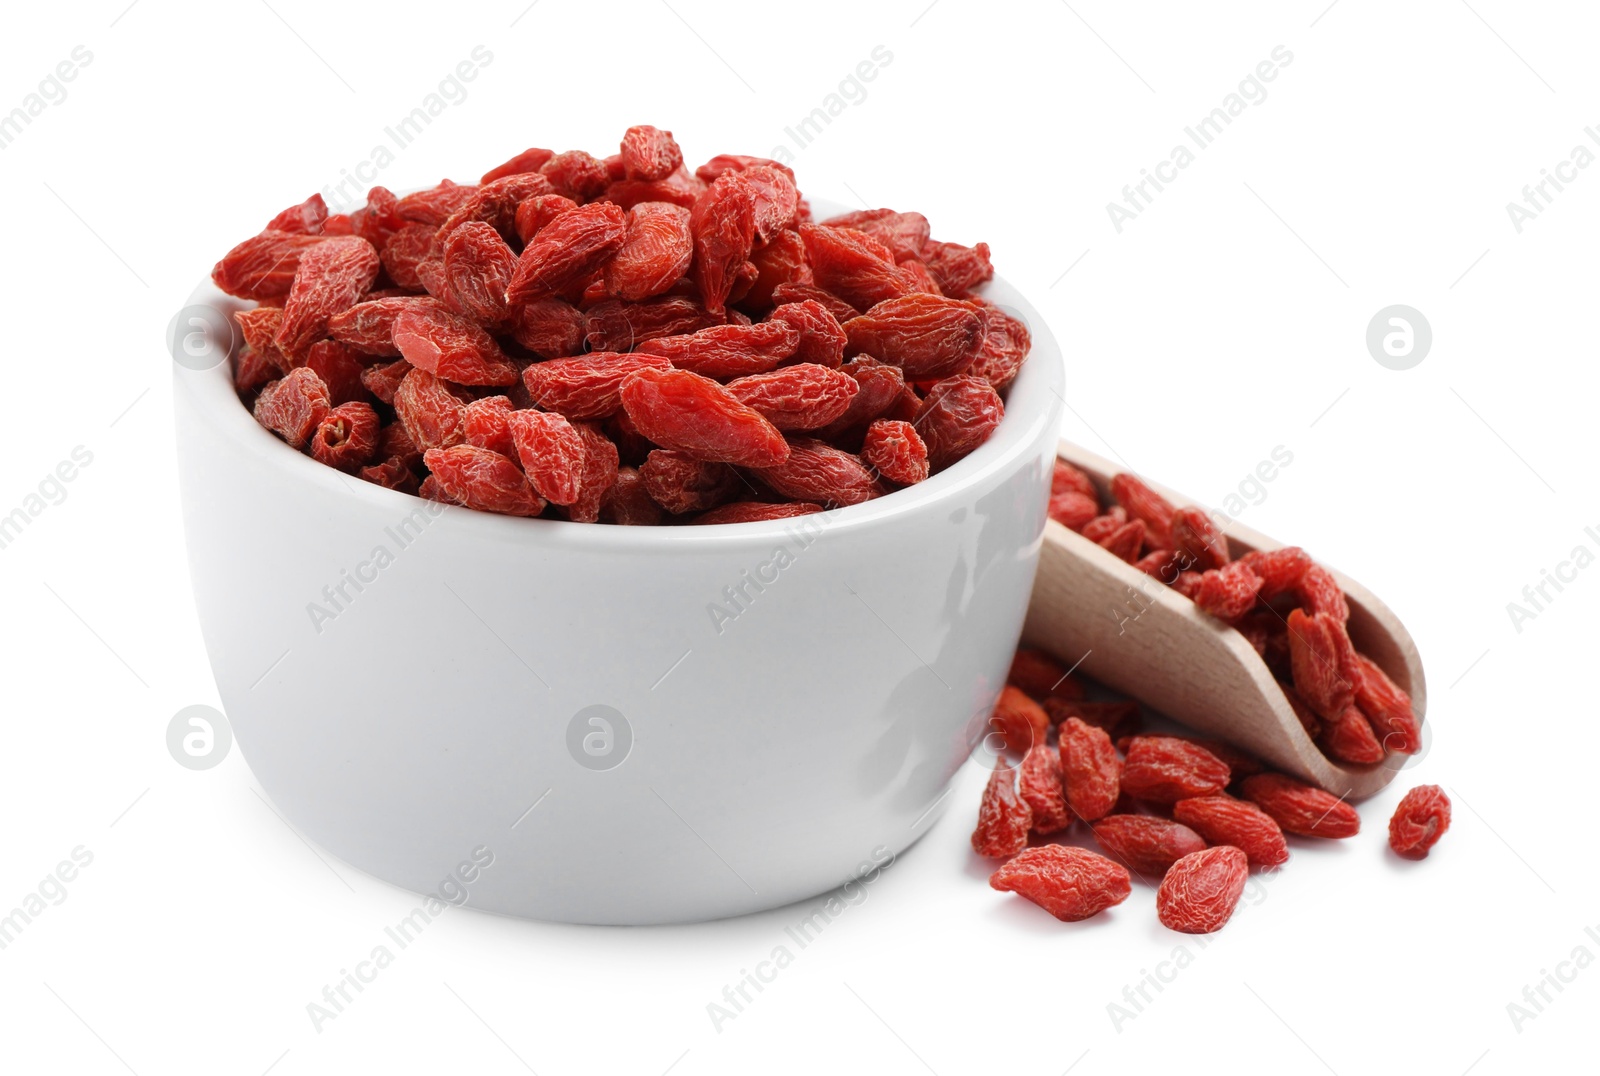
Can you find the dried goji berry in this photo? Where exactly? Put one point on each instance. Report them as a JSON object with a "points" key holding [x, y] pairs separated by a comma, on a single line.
{"points": [[529, 160], [1165, 769], [294, 406], [550, 328], [781, 261], [478, 266], [263, 266], [1194, 533], [893, 448], [857, 267], [1068, 882], [259, 327], [822, 339], [1072, 509], [1004, 348], [1146, 844], [927, 336], [1144, 503], [392, 473], [1019, 720], [585, 387], [879, 385], [1126, 541], [434, 205], [1319, 592], [496, 203], [655, 253], [757, 511], [1387, 708], [576, 174], [430, 410], [680, 188], [723, 222], [566, 250], [816, 471], [1419, 820], [1201, 890], [1299, 808], [776, 200], [1064, 477], [1229, 592], [251, 370], [596, 475], [958, 414], [1280, 569], [332, 276], [383, 379], [1042, 676], [1039, 784], [340, 368], [347, 437], [1004, 818], [693, 414], [958, 269], [307, 218], [1103, 526], [1348, 737], [404, 252], [627, 504], [1090, 769], [649, 153], [484, 423], [1308, 720], [369, 326], [807, 291], [620, 326], [724, 163], [1323, 660], [903, 233], [481, 479], [551, 452], [728, 350], [800, 397], [532, 214], [1221, 819], [451, 347]]}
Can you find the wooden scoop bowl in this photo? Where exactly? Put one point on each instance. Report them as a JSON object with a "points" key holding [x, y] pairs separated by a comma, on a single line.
{"points": [[1144, 639]]}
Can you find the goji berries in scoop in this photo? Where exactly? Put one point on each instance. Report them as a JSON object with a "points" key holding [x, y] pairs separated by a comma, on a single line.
{"points": [[626, 298]]}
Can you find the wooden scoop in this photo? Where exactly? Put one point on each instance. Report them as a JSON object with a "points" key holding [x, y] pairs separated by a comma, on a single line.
{"points": [[1144, 639]]}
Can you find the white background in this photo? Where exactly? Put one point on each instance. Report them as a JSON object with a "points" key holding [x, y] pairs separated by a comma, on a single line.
{"points": [[1225, 320]]}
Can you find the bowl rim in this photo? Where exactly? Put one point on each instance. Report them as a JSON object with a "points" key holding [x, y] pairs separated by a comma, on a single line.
{"points": [[1033, 400]]}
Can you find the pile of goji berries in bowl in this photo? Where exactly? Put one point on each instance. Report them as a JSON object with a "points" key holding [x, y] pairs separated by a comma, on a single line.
{"points": [[621, 340], [417, 614]]}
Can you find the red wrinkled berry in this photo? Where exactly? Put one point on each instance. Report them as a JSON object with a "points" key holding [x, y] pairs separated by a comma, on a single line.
{"points": [[1221, 819], [1387, 708], [649, 153], [927, 336], [481, 479], [728, 350], [478, 266], [332, 277], [550, 328], [1144, 503], [1420, 819], [1201, 890], [655, 253], [294, 406], [1072, 509], [1090, 769], [1068, 882], [822, 339], [534, 213], [596, 475], [1229, 592], [905, 234], [723, 222], [1126, 541], [1039, 784], [799, 397], [576, 174], [585, 387], [383, 380], [1020, 722], [693, 414], [856, 267], [1194, 533], [566, 250], [957, 269], [1004, 348], [430, 410], [1146, 844], [347, 437], [958, 414], [1280, 569], [1323, 661], [1348, 737], [529, 160], [896, 451], [263, 266], [1004, 818], [551, 452], [627, 504], [1299, 808], [1165, 769], [451, 347], [369, 326], [816, 471]]}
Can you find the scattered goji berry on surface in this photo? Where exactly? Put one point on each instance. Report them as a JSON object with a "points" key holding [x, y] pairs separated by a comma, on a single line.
{"points": [[1070, 883], [1419, 820], [1201, 890]]}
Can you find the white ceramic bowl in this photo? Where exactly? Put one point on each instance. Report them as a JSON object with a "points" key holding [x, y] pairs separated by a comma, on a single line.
{"points": [[444, 707]]}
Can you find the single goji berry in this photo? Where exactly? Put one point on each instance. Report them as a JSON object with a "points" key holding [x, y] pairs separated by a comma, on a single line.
{"points": [[430, 409], [484, 424], [1319, 592], [894, 449], [596, 474], [958, 414], [392, 473], [294, 406], [723, 222], [251, 370], [1068, 882], [263, 266], [1323, 660], [649, 153], [585, 387], [259, 327], [1348, 737], [1126, 541], [532, 214], [1064, 477], [529, 160], [1201, 890], [434, 205], [878, 385], [332, 276], [1039, 784], [1144, 503], [858, 268], [655, 253], [576, 174], [822, 339], [1004, 348], [369, 325], [1146, 844], [627, 504], [693, 414], [1072, 509], [484, 480], [551, 452], [403, 253], [478, 266], [1229, 592], [620, 326], [347, 437], [567, 250], [800, 397], [1221, 819], [1165, 769], [451, 347], [1020, 722], [340, 367], [927, 336], [550, 328], [958, 269], [1299, 808], [1280, 569], [816, 471], [1194, 533], [1004, 817], [1419, 820], [1090, 769], [781, 261], [728, 350], [384, 379], [904, 234], [1387, 708]]}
